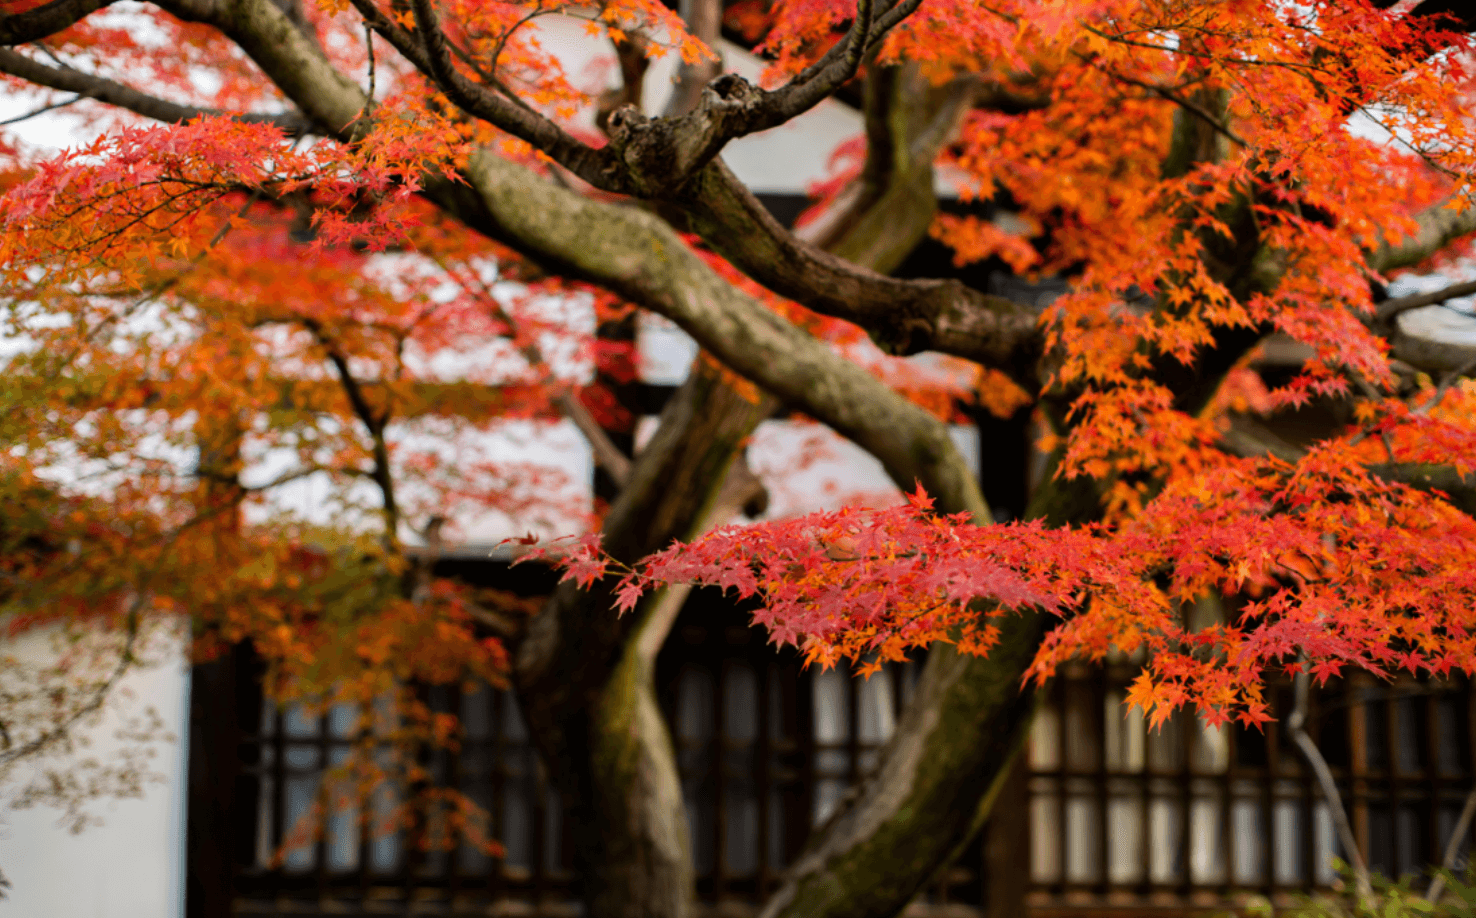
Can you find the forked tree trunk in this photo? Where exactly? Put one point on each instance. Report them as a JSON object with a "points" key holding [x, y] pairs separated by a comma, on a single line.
{"points": [[585, 678]]}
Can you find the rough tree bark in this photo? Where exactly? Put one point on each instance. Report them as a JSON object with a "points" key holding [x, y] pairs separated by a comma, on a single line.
{"points": [[584, 676]]}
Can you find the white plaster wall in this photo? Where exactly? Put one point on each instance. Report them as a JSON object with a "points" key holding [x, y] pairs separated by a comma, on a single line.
{"points": [[132, 865]]}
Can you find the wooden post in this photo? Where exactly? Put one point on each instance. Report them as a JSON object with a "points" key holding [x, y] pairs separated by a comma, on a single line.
{"points": [[1007, 846]]}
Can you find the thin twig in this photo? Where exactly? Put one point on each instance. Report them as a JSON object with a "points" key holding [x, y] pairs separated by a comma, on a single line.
{"points": [[606, 453], [42, 110], [1445, 385], [1453, 847], [1297, 724], [374, 422], [369, 46]]}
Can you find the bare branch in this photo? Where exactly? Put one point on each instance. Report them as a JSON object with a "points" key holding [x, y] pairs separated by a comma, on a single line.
{"points": [[606, 453], [902, 316], [42, 110], [89, 86], [59, 729], [374, 422], [1388, 309], [1248, 439], [45, 20], [428, 51], [1453, 846], [834, 69], [1438, 226], [1297, 724]]}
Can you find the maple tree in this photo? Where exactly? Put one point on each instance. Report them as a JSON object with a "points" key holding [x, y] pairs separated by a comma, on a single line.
{"points": [[210, 278]]}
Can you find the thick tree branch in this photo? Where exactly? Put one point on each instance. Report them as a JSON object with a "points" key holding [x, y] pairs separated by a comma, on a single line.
{"points": [[297, 66], [662, 154], [902, 316], [1434, 340], [1438, 226], [638, 256], [89, 86], [888, 210], [45, 20], [585, 675], [1388, 309]]}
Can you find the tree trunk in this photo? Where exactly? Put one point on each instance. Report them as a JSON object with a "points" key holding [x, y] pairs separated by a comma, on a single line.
{"points": [[941, 772], [585, 678]]}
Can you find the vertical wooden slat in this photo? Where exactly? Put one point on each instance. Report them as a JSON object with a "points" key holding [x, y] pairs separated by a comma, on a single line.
{"points": [[1063, 699], [1007, 847], [413, 847], [1189, 726], [1227, 810], [1470, 776], [1393, 783], [1306, 866], [1145, 813], [1268, 806], [538, 834], [1358, 763], [497, 766], [279, 806], [1099, 728], [804, 707], [457, 778], [1433, 785], [320, 845], [721, 743], [763, 777], [853, 727], [223, 801]]}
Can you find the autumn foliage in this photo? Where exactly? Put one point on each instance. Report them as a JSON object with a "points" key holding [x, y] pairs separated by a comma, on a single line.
{"points": [[244, 277]]}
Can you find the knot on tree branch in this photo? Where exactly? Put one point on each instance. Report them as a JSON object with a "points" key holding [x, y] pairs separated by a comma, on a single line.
{"points": [[728, 90], [662, 154]]}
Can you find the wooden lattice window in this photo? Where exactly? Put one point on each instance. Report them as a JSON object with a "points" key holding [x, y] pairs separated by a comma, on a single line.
{"points": [[1190, 814]]}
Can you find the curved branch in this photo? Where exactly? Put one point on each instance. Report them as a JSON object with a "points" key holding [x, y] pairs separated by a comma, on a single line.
{"points": [[1297, 724], [57, 731], [1438, 226], [45, 20], [374, 422], [1248, 439], [1453, 846], [902, 316], [89, 86], [662, 154], [428, 52], [1388, 309], [833, 70], [638, 256]]}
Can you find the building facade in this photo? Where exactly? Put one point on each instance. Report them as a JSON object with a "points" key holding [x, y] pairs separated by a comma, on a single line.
{"points": [[1101, 816]]}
